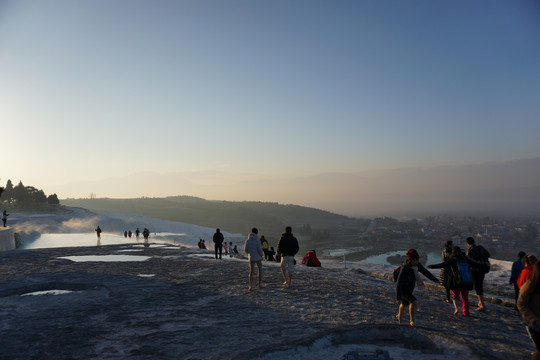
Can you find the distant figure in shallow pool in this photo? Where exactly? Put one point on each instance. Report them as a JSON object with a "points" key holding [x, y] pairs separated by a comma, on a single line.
{"points": [[98, 232], [146, 234]]}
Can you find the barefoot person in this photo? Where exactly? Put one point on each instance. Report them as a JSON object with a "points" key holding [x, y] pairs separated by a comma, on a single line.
{"points": [[406, 282], [255, 253], [287, 247], [481, 255]]}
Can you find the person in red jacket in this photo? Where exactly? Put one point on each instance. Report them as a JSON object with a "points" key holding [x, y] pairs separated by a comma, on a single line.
{"points": [[310, 259], [529, 262]]}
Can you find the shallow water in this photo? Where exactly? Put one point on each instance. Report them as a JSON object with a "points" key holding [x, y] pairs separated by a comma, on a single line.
{"points": [[432, 258], [106, 258], [76, 239], [48, 292], [90, 239]]}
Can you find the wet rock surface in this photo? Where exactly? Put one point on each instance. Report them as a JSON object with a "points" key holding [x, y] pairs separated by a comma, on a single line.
{"points": [[182, 303]]}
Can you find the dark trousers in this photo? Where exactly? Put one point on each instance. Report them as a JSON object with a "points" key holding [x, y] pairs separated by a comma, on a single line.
{"points": [[516, 293], [535, 337], [218, 247]]}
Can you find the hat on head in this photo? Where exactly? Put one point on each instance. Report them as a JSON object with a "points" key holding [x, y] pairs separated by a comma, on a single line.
{"points": [[412, 254]]}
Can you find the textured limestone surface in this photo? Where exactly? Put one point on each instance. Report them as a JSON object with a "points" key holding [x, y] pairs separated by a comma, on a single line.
{"points": [[181, 303]]}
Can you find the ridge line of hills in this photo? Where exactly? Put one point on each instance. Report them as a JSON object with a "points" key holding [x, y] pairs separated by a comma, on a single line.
{"points": [[233, 216]]}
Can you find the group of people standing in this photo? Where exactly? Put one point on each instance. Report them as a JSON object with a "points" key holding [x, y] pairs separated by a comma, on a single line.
{"points": [[462, 272], [145, 233], [257, 249]]}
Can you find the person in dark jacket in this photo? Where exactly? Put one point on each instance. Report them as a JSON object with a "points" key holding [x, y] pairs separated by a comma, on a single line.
{"points": [[218, 243], [4, 217], [406, 282], [460, 285], [481, 255], [443, 276], [287, 247], [517, 267]]}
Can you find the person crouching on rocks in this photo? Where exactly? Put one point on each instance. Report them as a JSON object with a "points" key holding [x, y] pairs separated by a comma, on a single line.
{"points": [[406, 282]]}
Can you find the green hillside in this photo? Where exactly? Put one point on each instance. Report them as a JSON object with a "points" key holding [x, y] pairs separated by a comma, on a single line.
{"points": [[238, 217]]}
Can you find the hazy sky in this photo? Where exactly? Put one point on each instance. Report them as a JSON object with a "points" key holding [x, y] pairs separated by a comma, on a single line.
{"points": [[98, 89]]}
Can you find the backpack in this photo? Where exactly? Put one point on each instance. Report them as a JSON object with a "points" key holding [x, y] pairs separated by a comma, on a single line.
{"points": [[396, 273], [484, 259], [462, 278]]}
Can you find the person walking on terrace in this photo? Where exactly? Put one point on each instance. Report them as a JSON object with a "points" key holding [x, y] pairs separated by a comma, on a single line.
{"points": [[218, 242], [255, 253], [406, 282], [264, 244], [98, 232], [287, 247], [443, 276], [480, 255], [528, 262], [517, 267]]}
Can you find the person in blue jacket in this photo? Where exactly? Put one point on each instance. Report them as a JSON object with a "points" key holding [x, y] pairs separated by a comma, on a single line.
{"points": [[517, 267]]}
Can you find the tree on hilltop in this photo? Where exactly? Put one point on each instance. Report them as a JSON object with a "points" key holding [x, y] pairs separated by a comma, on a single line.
{"points": [[53, 200], [20, 195], [25, 196], [8, 191]]}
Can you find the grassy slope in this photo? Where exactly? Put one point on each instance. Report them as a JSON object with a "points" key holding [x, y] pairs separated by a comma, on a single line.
{"points": [[232, 216]]}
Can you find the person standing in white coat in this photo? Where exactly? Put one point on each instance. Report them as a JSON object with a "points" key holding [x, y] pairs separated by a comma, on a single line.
{"points": [[253, 249]]}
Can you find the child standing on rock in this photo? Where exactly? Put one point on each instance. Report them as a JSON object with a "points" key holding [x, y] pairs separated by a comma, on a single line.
{"points": [[406, 282]]}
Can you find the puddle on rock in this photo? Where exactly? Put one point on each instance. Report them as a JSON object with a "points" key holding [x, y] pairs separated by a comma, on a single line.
{"points": [[49, 292], [146, 275], [106, 258]]}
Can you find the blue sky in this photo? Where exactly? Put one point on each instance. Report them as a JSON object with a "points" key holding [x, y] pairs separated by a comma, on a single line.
{"points": [[92, 90]]}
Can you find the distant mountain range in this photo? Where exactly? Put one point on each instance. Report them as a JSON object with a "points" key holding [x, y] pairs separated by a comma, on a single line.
{"points": [[505, 188]]}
